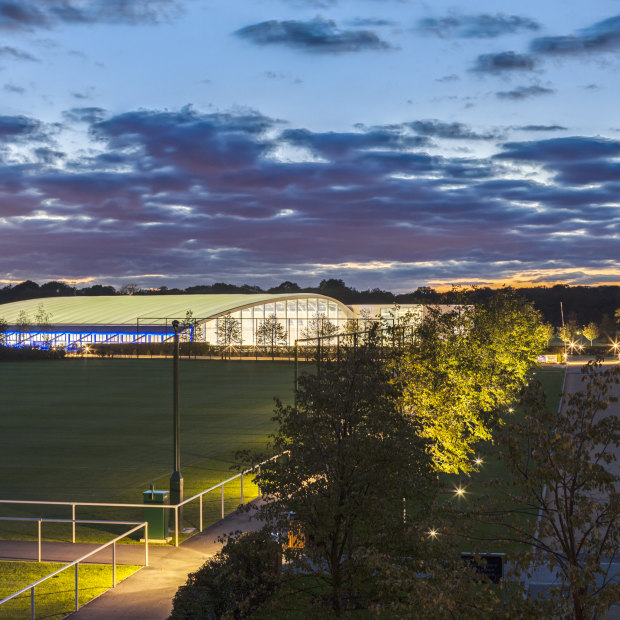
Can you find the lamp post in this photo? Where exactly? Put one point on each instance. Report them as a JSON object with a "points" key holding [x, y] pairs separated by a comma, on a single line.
{"points": [[176, 480]]}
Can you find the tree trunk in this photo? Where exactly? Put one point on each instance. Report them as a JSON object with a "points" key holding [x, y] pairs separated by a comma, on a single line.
{"points": [[337, 590]]}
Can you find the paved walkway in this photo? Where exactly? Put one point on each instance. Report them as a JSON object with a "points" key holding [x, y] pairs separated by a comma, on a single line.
{"points": [[147, 594]]}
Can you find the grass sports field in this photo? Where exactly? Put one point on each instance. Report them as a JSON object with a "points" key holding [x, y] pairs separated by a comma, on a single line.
{"points": [[101, 430]]}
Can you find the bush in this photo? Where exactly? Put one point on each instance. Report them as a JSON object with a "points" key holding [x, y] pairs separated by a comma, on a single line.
{"points": [[27, 354], [234, 582]]}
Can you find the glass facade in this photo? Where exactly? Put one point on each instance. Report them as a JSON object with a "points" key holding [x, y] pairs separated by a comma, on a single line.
{"points": [[299, 318]]}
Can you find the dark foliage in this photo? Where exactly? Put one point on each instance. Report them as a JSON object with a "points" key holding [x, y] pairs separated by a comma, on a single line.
{"points": [[234, 582], [28, 354]]}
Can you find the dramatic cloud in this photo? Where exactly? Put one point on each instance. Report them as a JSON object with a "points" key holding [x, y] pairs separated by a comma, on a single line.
{"points": [[18, 127], [6, 51], [188, 139], [317, 35], [85, 115], [335, 144], [449, 131], [484, 26], [541, 128], [193, 194], [16, 14], [603, 36], [13, 88], [31, 14], [524, 92], [503, 62], [365, 22], [573, 148]]}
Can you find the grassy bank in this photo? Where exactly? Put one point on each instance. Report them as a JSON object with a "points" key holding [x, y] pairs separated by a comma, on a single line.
{"points": [[55, 598]]}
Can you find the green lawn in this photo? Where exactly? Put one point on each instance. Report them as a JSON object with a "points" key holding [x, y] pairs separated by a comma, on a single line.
{"points": [[101, 430], [55, 598]]}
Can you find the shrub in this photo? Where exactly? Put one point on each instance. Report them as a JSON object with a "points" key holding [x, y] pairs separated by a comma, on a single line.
{"points": [[26, 354], [234, 582]]}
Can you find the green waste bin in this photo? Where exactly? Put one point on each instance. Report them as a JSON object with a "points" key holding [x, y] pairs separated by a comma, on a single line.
{"points": [[155, 515]]}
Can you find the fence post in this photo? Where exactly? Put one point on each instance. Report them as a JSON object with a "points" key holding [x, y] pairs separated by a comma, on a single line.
{"points": [[222, 487], [296, 372], [32, 603], [146, 543], [73, 524], [114, 565], [77, 604], [176, 526], [39, 537], [242, 488], [200, 523]]}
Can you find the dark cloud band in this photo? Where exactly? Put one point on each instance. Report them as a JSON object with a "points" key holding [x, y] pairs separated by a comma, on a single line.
{"points": [[185, 192], [482, 26], [317, 35]]}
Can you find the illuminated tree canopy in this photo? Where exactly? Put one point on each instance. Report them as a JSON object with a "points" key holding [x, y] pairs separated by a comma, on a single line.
{"points": [[465, 366]]}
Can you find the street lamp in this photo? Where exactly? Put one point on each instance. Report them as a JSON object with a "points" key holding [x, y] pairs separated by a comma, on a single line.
{"points": [[176, 480]]}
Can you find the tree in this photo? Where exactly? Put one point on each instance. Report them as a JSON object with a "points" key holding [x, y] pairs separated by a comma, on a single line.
{"points": [[43, 322], [564, 474], [129, 289], [271, 334], [463, 368], [591, 332], [548, 330], [56, 289], [228, 334], [195, 333], [608, 326], [286, 287], [22, 324], [320, 327], [569, 331], [353, 458], [4, 328]]}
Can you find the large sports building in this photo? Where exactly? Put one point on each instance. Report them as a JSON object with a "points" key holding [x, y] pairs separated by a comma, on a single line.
{"points": [[78, 321]]}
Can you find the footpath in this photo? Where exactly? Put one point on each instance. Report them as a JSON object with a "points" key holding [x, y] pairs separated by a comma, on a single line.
{"points": [[148, 593]]}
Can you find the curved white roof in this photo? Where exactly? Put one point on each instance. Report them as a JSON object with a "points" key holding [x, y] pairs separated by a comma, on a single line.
{"points": [[149, 309]]}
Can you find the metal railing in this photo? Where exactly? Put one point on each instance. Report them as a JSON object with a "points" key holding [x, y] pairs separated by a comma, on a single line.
{"points": [[76, 563], [174, 507], [40, 520], [219, 485]]}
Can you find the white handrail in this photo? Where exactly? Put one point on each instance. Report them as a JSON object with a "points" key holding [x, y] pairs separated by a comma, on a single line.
{"points": [[75, 563], [41, 520]]}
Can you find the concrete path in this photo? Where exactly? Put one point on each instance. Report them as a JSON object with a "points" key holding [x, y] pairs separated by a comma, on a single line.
{"points": [[147, 594]]}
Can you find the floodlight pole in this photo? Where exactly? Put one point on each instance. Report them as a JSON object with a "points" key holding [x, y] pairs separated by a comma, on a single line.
{"points": [[176, 480]]}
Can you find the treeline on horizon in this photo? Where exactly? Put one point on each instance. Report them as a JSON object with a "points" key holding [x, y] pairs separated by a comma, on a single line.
{"points": [[581, 304]]}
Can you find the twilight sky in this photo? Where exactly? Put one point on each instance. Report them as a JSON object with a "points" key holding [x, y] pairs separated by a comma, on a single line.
{"points": [[391, 143]]}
